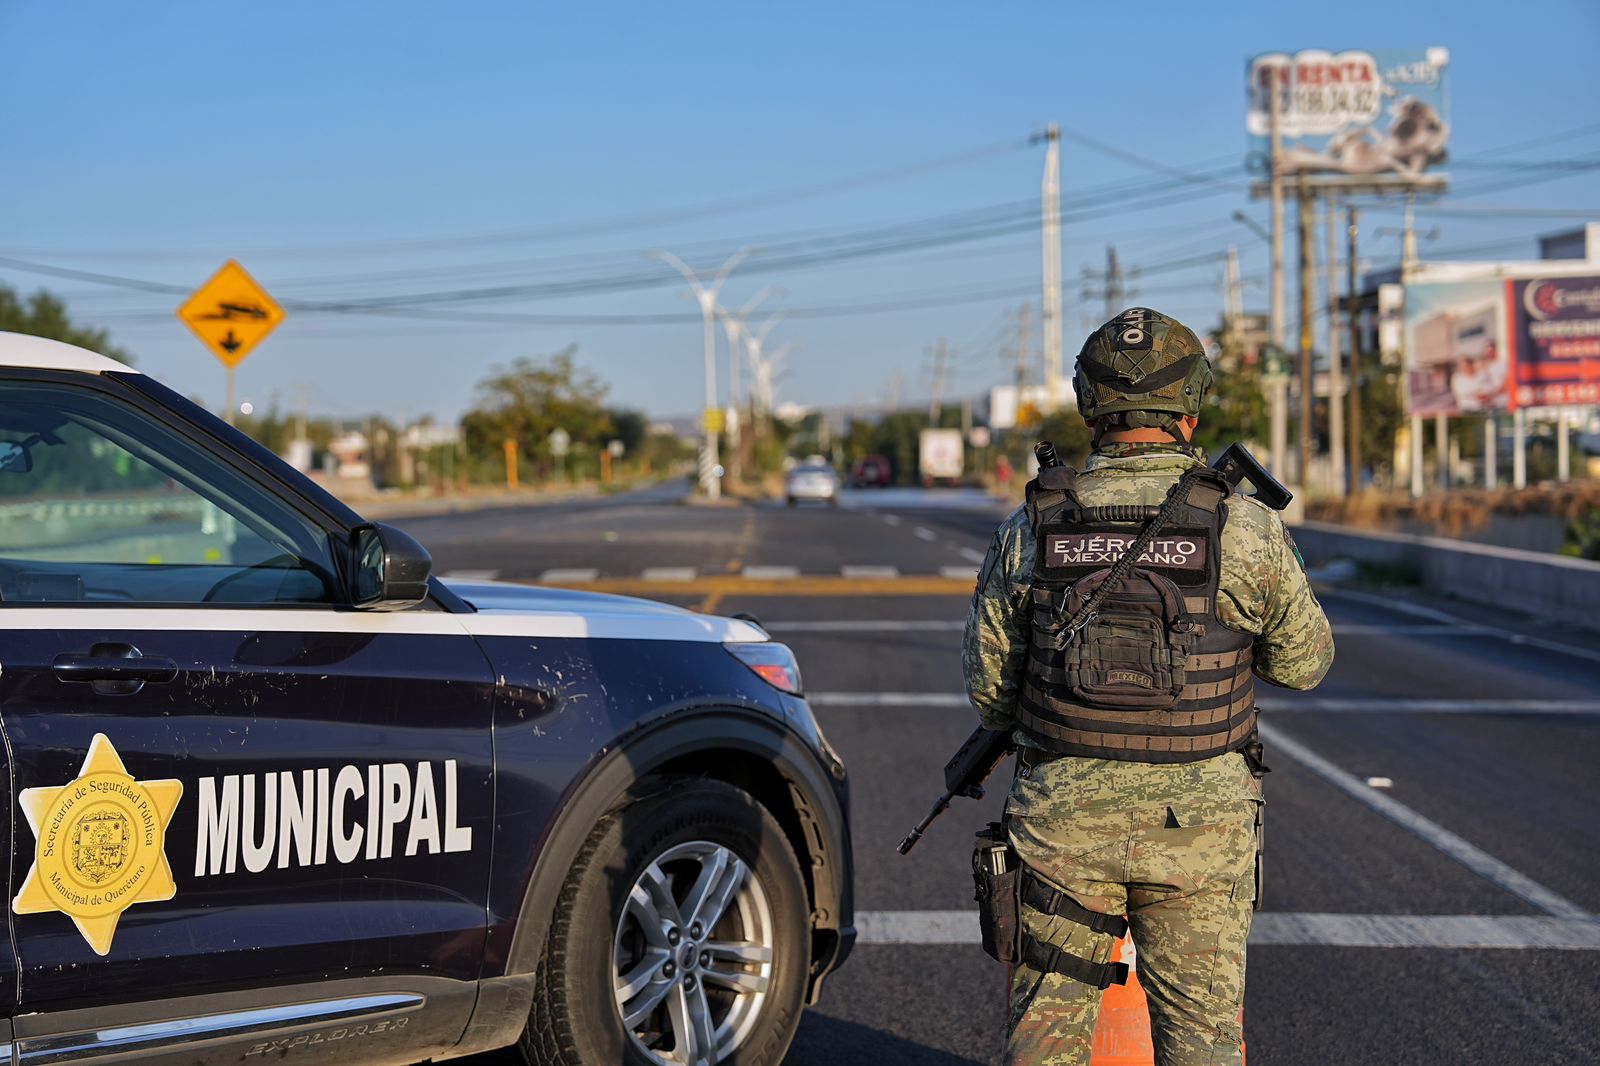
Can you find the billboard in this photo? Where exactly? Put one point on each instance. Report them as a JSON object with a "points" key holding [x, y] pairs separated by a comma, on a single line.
{"points": [[1367, 116], [1556, 338], [1457, 359]]}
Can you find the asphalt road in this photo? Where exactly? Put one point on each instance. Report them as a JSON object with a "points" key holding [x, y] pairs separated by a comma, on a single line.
{"points": [[1433, 858]]}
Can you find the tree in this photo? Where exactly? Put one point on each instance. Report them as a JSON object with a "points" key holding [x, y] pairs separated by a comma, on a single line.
{"points": [[45, 315], [529, 400]]}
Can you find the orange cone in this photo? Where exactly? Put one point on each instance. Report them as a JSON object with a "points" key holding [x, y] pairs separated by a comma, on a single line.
{"points": [[1122, 1033]]}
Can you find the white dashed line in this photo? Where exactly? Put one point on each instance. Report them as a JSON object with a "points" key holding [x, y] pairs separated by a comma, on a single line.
{"points": [[568, 575], [469, 575], [959, 573], [924, 533], [1290, 929], [972, 555], [869, 571], [771, 573], [668, 573], [891, 519], [1469, 855]]}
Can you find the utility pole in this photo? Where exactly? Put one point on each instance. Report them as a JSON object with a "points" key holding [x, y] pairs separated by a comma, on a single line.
{"points": [[1335, 369], [1354, 456], [706, 295], [1023, 352], [935, 409], [1233, 292], [1279, 298], [1306, 370], [1113, 291], [1050, 304]]}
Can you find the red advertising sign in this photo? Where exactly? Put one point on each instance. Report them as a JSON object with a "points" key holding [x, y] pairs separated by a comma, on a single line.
{"points": [[1555, 341]]}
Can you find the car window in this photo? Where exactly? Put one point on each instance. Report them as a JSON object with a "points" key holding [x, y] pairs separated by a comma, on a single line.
{"points": [[99, 501]]}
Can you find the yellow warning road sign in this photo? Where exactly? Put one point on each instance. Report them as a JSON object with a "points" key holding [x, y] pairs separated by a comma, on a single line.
{"points": [[231, 313], [712, 420]]}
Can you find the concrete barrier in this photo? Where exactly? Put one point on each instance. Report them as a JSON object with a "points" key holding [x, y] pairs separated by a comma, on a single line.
{"points": [[1553, 586]]}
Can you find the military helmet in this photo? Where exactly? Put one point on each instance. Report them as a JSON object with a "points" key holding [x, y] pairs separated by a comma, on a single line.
{"points": [[1142, 361]]}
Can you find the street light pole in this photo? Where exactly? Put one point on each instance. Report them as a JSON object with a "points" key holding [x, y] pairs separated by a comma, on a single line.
{"points": [[707, 297], [733, 322]]}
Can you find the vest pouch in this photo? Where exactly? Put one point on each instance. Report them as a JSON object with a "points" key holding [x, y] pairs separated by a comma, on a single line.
{"points": [[1132, 656]]}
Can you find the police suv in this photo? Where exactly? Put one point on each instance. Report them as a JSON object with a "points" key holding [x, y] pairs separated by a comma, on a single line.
{"points": [[279, 794]]}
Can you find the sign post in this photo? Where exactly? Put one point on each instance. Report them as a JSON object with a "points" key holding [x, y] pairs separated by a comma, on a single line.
{"points": [[231, 314]]}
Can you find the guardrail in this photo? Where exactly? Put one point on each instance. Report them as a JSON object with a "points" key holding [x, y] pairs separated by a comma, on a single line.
{"points": [[1555, 586]]}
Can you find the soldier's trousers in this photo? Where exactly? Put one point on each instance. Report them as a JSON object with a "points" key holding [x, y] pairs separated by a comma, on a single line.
{"points": [[1174, 848]]}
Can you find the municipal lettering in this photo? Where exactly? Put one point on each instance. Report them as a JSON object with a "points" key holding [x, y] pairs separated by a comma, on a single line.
{"points": [[310, 817]]}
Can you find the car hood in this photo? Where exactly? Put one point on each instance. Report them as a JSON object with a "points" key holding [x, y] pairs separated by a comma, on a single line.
{"points": [[505, 609]]}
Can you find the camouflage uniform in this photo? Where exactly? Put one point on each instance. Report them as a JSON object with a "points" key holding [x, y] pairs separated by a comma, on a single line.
{"points": [[1171, 845]]}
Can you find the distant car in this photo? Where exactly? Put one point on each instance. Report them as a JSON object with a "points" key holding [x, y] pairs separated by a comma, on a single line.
{"points": [[812, 481], [870, 472], [274, 791]]}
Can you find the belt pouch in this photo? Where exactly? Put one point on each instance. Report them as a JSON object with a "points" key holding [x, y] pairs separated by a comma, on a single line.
{"points": [[995, 874]]}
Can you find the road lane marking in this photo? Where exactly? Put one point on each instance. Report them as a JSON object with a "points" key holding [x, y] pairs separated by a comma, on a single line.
{"points": [[1469, 855], [1282, 705], [771, 573], [959, 573], [924, 533], [1382, 705], [887, 699], [885, 626], [869, 571], [469, 575], [1292, 929], [714, 587], [972, 555], [1420, 611], [668, 573], [1349, 629], [581, 575], [891, 519]]}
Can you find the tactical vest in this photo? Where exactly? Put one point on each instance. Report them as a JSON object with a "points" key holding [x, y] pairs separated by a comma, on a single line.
{"points": [[1154, 676]]}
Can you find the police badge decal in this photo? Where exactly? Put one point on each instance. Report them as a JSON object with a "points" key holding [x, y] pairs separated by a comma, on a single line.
{"points": [[101, 845]]}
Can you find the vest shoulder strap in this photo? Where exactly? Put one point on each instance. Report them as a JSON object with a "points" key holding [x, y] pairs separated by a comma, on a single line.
{"points": [[1050, 489]]}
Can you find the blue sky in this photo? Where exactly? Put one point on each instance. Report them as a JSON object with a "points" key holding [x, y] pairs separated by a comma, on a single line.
{"points": [[350, 150]]}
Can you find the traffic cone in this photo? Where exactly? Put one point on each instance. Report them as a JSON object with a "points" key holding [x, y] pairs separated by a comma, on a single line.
{"points": [[1122, 1033]]}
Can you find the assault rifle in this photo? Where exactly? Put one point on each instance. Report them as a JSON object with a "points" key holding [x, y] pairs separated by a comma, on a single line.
{"points": [[986, 749]]}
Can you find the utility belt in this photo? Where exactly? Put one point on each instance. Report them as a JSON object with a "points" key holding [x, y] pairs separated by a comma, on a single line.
{"points": [[1003, 885]]}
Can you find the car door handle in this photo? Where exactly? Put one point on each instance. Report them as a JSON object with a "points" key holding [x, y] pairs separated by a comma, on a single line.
{"points": [[114, 669]]}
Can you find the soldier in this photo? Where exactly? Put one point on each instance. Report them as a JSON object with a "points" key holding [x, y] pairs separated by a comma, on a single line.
{"points": [[1137, 792]]}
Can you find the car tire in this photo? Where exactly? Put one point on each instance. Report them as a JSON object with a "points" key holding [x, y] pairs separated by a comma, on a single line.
{"points": [[791, 501], [673, 837]]}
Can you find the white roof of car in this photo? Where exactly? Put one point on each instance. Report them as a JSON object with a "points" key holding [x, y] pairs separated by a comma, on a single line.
{"points": [[36, 353]]}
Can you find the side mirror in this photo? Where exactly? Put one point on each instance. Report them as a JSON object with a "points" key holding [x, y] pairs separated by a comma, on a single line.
{"points": [[389, 569]]}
